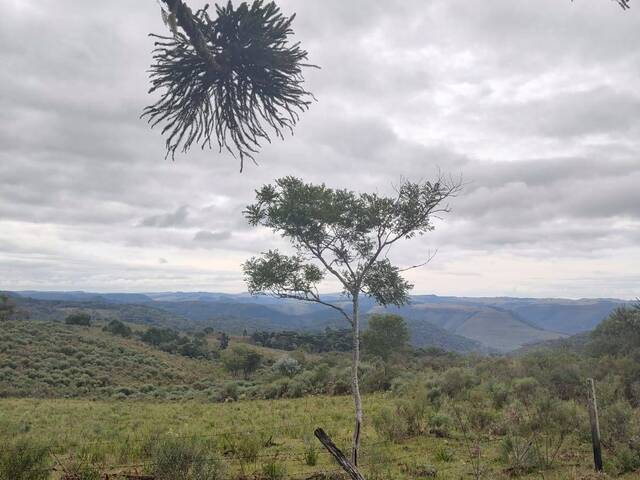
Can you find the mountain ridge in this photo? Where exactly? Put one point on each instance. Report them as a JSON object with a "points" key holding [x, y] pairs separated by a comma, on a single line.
{"points": [[501, 324]]}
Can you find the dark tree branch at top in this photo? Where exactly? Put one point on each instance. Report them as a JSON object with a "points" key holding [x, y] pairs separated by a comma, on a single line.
{"points": [[234, 80], [184, 18], [625, 4]]}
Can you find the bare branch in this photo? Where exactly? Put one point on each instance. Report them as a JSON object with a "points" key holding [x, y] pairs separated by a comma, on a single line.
{"points": [[428, 260]]}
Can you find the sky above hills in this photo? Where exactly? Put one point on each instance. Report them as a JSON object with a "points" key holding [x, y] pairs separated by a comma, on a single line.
{"points": [[535, 104]]}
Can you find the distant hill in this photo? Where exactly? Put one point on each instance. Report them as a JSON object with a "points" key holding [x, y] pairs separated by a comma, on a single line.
{"points": [[501, 324], [57, 310]]}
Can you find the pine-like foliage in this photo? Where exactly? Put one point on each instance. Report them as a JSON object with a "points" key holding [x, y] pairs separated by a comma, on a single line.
{"points": [[254, 88]]}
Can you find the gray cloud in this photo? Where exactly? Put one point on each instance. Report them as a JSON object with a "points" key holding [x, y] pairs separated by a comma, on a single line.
{"points": [[536, 104], [168, 220], [204, 236]]}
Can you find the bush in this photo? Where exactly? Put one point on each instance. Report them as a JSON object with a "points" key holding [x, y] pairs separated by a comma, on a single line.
{"points": [[389, 425], [456, 381], [79, 318], [443, 454], [81, 469], [181, 459], [274, 471], [440, 425], [116, 327], [241, 359], [286, 366], [310, 452], [23, 460]]}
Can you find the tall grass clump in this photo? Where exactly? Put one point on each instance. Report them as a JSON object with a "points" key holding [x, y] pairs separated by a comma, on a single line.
{"points": [[183, 459], [24, 460]]}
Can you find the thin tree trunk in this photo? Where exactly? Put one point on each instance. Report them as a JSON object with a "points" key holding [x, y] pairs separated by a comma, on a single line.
{"points": [[355, 386]]}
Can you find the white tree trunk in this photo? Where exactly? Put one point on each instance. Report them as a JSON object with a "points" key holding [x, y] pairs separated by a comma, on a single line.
{"points": [[355, 386]]}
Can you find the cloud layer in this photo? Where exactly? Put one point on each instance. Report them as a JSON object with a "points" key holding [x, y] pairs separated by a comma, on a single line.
{"points": [[535, 104]]}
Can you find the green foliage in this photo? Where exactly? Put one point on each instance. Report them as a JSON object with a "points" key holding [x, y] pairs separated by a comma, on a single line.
{"points": [[7, 307], [386, 334], [182, 459], [617, 335], [310, 451], [389, 425], [171, 341], [116, 327], [329, 340], [224, 341], [456, 382], [81, 469], [78, 318], [284, 275], [241, 359], [345, 232], [443, 454], [287, 366], [274, 470], [45, 359], [23, 460]]}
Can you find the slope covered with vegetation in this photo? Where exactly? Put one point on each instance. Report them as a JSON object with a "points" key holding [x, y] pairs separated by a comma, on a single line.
{"points": [[51, 359], [460, 415]]}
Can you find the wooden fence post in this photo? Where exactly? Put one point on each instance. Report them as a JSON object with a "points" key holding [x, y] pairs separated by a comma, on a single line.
{"points": [[595, 425], [347, 466]]}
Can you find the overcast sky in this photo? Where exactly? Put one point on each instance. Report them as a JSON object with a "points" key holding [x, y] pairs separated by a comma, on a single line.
{"points": [[536, 104]]}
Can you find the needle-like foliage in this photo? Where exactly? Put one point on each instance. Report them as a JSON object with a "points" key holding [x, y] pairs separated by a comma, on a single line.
{"points": [[230, 80]]}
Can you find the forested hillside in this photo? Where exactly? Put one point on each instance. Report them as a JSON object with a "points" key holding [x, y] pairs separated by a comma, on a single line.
{"points": [[453, 323]]}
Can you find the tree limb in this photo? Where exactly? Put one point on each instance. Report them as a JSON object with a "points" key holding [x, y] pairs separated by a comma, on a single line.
{"points": [[184, 17]]}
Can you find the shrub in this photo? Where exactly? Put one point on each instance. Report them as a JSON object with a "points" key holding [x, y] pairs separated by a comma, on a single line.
{"points": [[181, 459], [440, 425], [240, 358], [116, 327], [456, 381], [81, 469], [23, 460], [245, 447], [310, 452], [274, 471], [443, 454], [78, 318], [286, 366], [389, 425]]}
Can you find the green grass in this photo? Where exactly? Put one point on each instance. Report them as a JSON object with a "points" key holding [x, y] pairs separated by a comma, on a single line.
{"points": [[254, 436]]}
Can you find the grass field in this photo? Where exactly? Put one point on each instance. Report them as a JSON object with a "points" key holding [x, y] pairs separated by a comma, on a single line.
{"points": [[261, 439]]}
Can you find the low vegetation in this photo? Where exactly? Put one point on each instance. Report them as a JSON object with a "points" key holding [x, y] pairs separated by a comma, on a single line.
{"points": [[427, 410]]}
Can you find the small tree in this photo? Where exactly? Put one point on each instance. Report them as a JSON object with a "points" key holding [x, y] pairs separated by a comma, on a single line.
{"points": [[346, 235], [7, 307], [287, 366], [241, 358], [224, 341], [78, 318], [386, 334], [116, 327]]}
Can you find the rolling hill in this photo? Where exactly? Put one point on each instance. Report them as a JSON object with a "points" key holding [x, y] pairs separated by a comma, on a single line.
{"points": [[454, 323], [50, 359]]}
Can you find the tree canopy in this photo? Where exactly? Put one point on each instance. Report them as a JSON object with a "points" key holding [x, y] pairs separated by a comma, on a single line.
{"points": [[240, 358], [7, 307], [345, 234], [619, 333], [385, 335]]}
